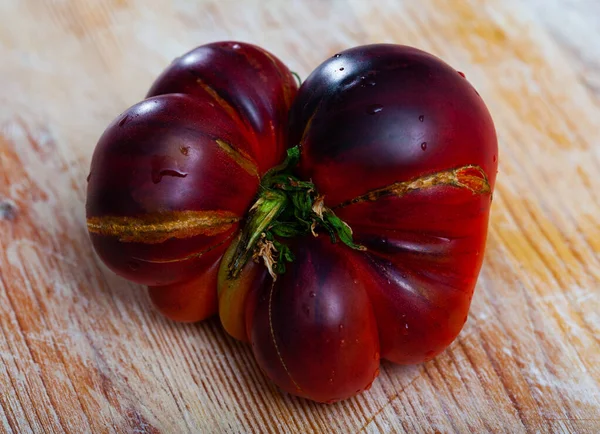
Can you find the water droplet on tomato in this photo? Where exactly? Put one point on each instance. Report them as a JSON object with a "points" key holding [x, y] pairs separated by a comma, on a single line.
{"points": [[124, 120], [421, 118], [342, 342], [462, 74], [312, 294], [374, 109], [341, 327], [134, 265], [424, 145], [331, 381], [236, 46], [405, 330], [157, 175]]}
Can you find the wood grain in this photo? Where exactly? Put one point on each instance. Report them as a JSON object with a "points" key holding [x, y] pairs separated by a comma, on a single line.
{"points": [[81, 350]]}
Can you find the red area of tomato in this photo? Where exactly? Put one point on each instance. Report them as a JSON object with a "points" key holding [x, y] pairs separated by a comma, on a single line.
{"points": [[402, 148]]}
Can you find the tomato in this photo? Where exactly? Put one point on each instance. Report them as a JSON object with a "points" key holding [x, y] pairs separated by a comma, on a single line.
{"points": [[354, 233]]}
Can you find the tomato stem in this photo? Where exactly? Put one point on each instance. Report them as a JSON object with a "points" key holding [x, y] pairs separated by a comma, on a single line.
{"points": [[268, 206], [286, 207]]}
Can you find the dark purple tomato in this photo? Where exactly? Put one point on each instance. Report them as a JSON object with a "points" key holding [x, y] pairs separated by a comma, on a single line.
{"points": [[173, 176], [397, 162]]}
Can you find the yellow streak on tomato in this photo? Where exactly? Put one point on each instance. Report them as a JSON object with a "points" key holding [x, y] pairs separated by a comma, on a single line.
{"points": [[470, 177], [231, 111], [240, 157], [158, 227]]}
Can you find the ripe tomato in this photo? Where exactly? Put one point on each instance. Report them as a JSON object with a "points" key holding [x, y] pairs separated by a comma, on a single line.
{"points": [[173, 176], [396, 161]]}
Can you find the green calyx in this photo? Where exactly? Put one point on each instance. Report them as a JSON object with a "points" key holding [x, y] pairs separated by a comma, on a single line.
{"points": [[298, 79], [286, 207]]}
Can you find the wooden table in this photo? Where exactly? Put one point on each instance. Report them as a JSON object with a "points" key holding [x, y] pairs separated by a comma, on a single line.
{"points": [[82, 350]]}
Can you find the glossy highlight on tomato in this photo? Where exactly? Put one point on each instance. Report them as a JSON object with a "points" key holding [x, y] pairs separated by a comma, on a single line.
{"points": [[388, 151]]}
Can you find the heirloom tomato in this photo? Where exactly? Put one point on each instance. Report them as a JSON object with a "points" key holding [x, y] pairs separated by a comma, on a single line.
{"points": [[331, 226]]}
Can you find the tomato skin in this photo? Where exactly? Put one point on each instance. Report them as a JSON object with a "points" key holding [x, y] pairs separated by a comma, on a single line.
{"points": [[189, 300], [421, 265], [313, 330], [188, 161]]}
